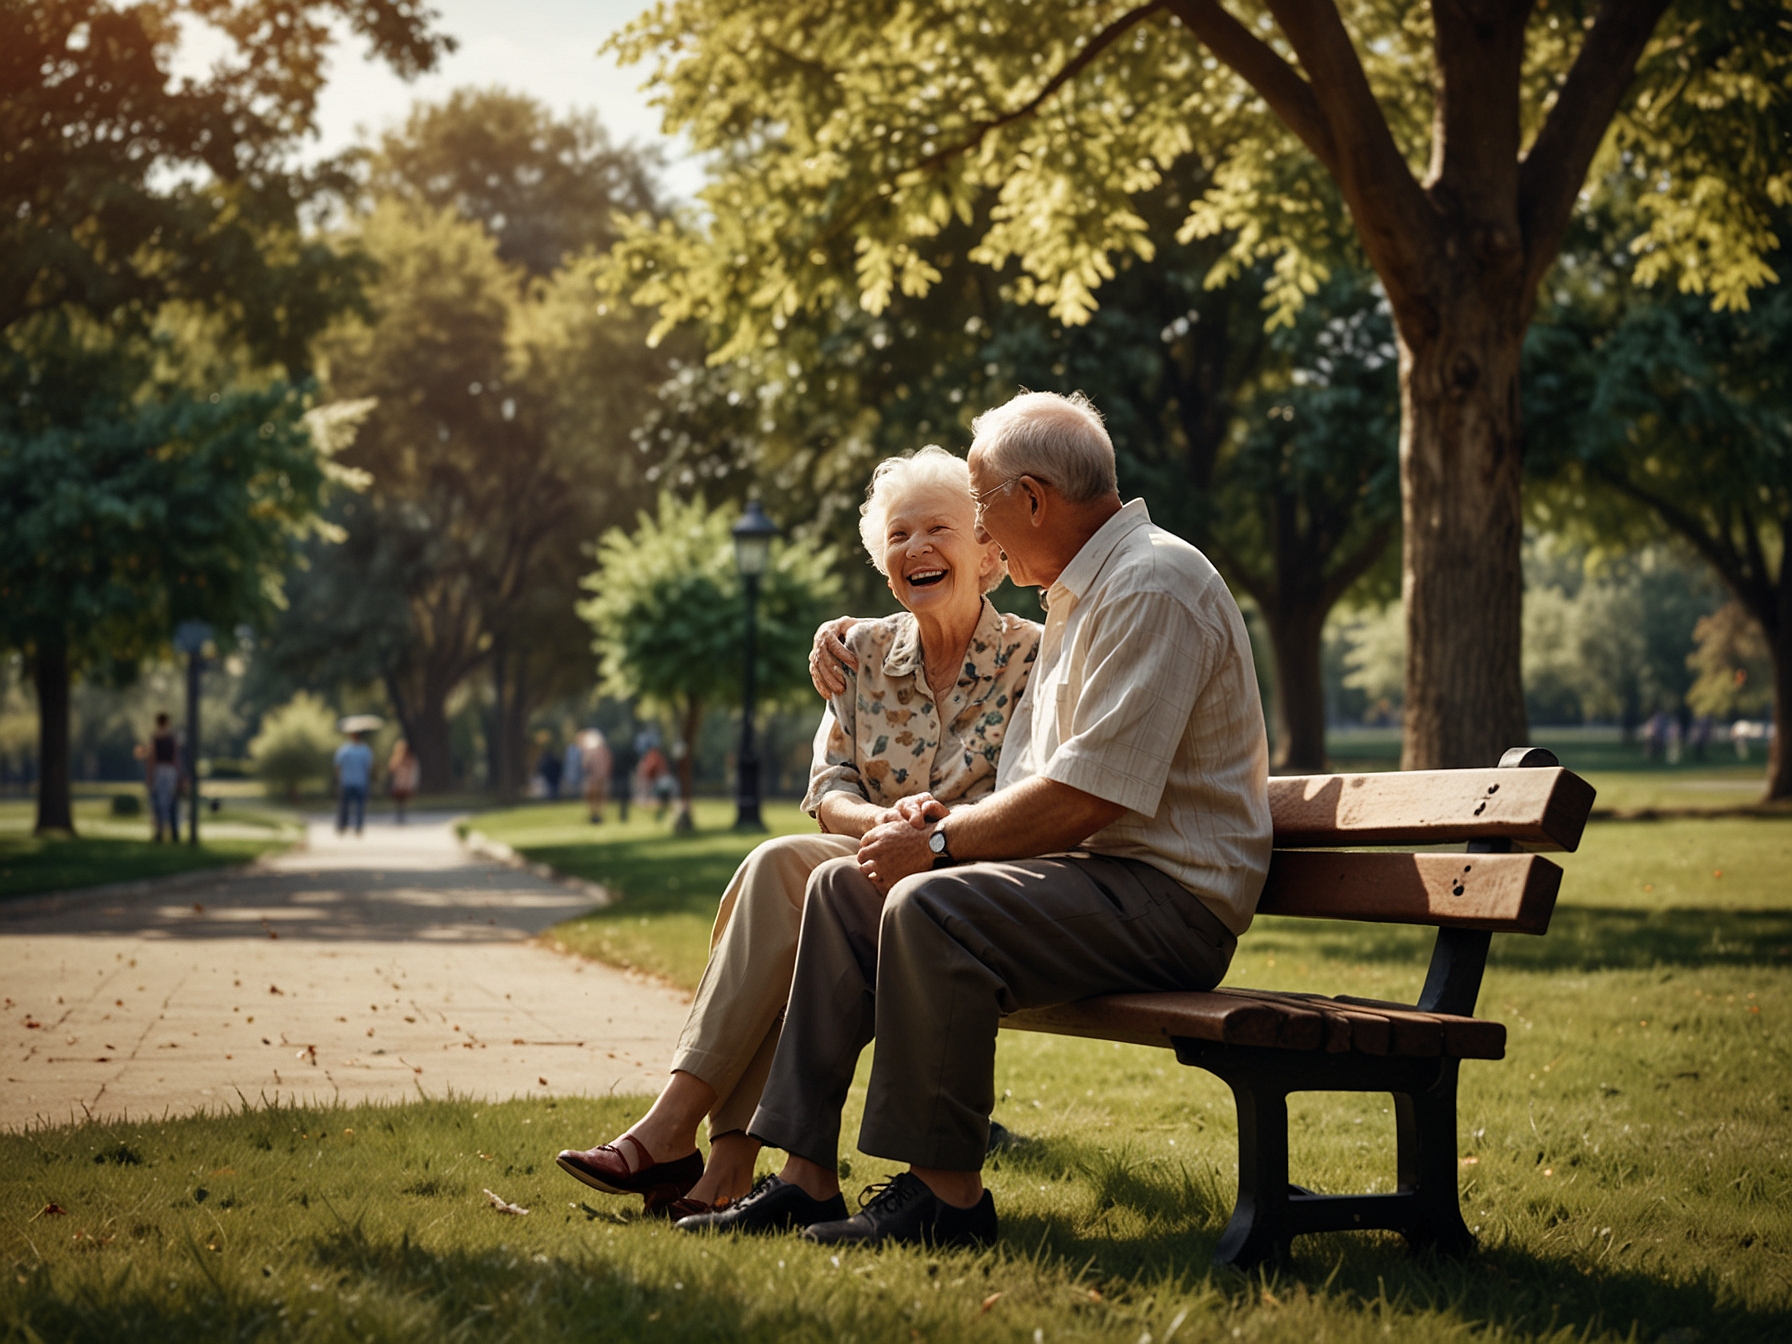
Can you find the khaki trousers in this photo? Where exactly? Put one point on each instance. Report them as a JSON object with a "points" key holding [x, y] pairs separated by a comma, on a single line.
{"points": [[931, 970], [732, 1030]]}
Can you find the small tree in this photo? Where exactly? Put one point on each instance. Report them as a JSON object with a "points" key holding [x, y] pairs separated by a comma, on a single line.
{"points": [[670, 620], [296, 745], [114, 529]]}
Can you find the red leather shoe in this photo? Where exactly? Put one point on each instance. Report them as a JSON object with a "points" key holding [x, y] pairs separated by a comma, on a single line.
{"points": [[604, 1168]]}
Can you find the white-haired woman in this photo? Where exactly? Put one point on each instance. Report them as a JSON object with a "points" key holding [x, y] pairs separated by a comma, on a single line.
{"points": [[925, 712]]}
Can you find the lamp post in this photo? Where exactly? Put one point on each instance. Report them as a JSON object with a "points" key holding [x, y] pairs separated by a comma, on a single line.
{"points": [[752, 554], [190, 638]]}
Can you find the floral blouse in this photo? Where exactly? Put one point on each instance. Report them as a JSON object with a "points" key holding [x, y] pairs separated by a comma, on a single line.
{"points": [[884, 738]]}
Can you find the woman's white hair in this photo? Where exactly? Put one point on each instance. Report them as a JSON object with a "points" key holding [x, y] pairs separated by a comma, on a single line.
{"points": [[1056, 439], [895, 477]]}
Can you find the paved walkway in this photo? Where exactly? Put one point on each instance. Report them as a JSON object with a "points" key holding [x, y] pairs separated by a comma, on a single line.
{"points": [[354, 969]]}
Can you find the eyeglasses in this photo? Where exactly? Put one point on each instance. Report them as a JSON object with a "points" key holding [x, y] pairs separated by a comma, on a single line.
{"points": [[981, 500]]}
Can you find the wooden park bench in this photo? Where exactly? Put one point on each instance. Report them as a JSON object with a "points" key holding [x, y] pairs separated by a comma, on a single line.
{"points": [[1265, 1045]]}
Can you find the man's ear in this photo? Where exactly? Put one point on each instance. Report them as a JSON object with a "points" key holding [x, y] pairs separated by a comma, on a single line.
{"points": [[1036, 501]]}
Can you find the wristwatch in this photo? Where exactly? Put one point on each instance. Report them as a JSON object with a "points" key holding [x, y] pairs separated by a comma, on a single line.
{"points": [[942, 857]]}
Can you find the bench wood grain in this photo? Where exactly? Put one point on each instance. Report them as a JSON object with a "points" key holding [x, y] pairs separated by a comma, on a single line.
{"points": [[1538, 809]]}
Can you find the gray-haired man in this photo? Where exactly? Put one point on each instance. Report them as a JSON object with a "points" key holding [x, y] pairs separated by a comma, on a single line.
{"points": [[1123, 851]]}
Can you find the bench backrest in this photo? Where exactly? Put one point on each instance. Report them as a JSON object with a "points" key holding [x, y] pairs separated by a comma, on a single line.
{"points": [[1489, 813]]}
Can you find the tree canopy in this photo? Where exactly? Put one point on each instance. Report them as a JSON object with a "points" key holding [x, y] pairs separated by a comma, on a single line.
{"points": [[669, 618], [1458, 137]]}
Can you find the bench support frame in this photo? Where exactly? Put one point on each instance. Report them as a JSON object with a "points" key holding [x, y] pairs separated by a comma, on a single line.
{"points": [[1271, 1211]]}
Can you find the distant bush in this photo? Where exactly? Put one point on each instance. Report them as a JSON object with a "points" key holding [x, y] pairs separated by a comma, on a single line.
{"points": [[126, 805], [295, 745]]}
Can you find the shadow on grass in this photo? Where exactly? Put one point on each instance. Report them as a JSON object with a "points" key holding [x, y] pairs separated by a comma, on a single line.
{"points": [[1579, 938], [1501, 1290]]}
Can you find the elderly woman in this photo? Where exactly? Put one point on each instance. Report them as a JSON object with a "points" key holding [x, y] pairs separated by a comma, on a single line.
{"points": [[925, 712]]}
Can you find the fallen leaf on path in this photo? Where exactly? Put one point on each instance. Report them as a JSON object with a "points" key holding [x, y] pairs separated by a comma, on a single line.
{"points": [[503, 1205], [989, 1302]]}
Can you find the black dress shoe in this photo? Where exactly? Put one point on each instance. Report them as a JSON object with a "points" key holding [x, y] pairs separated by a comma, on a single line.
{"points": [[772, 1206], [903, 1210]]}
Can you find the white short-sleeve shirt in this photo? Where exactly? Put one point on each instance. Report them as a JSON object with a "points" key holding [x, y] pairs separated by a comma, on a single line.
{"points": [[1145, 694]]}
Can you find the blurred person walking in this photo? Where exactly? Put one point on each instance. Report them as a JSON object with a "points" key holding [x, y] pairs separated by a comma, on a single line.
{"points": [[595, 765], [354, 772], [161, 772], [548, 768], [572, 765], [656, 781], [622, 773], [401, 777]]}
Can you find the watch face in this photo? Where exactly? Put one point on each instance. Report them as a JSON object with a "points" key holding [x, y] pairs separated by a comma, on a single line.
{"points": [[937, 842]]}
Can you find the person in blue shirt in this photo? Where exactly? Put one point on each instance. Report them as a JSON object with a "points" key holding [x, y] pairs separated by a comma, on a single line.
{"points": [[354, 771]]}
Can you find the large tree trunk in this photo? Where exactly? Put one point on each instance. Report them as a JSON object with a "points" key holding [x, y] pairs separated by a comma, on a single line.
{"points": [[1295, 637], [1461, 462], [55, 814], [435, 757]]}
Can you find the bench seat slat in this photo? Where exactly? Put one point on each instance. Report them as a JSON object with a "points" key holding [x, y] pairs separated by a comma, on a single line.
{"points": [[1264, 1018], [1543, 808], [1510, 893]]}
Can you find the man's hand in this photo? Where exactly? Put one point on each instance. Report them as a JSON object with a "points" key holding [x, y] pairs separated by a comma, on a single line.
{"points": [[889, 853], [828, 653], [919, 810]]}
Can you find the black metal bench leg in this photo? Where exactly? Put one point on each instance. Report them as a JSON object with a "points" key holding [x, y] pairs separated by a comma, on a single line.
{"points": [[1426, 1126], [1259, 1229]]}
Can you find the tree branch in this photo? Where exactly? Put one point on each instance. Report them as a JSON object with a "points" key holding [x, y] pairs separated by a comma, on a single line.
{"points": [[1261, 591], [1557, 163], [1720, 553], [1357, 566], [1072, 68], [1289, 96]]}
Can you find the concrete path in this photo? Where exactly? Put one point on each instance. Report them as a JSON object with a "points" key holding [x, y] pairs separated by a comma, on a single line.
{"points": [[373, 968]]}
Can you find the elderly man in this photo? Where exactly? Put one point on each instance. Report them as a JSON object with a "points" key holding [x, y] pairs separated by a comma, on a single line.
{"points": [[1123, 851]]}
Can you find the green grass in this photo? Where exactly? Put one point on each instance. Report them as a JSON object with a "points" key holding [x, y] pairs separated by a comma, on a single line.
{"points": [[1628, 1166], [671, 882], [107, 849], [1626, 1181]]}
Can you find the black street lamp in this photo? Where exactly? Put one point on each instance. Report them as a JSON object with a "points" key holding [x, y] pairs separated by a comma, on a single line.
{"points": [[752, 555], [190, 638]]}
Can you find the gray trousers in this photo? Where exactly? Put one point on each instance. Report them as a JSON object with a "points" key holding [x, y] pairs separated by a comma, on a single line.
{"points": [[931, 970]]}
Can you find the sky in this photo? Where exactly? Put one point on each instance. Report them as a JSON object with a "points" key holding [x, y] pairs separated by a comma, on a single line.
{"points": [[547, 48]]}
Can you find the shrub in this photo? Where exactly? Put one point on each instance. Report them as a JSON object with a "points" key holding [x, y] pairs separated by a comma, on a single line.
{"points": [[295, 745], [126, 805]]}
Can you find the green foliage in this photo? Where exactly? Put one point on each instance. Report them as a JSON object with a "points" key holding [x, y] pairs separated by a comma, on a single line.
{"points": [[114, 528], [1655, 413], [503, 392], [123, 188], [1733, 663], [670, 620], [546, 189], [296, 744], [850, 141], [1609, 637]]}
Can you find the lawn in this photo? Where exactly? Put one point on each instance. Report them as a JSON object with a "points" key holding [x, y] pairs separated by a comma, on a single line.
{"points": [[108, 848], [1626, 1166]]}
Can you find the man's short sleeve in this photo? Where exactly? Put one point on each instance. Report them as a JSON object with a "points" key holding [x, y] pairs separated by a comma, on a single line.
{"points": [[1148, 657]]}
